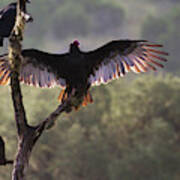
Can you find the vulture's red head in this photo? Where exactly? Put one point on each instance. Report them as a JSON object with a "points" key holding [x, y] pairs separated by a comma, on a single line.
{"points": [[74, 47], [76, 43]]}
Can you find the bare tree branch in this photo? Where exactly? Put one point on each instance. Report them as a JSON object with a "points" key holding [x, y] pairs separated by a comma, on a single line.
{"points": [[15, 61], [50, 120], [3, 160], [27, 135]]}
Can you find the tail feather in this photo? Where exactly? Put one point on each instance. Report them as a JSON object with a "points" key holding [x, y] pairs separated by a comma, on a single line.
{"points": [[89, 97], [1, 73], [4, 71], [4, 78], [86, 99]]}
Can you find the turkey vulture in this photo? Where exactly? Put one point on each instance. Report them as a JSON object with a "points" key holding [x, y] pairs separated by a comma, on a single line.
{"points": [[7, 20], [3, 160], [76, 70]]}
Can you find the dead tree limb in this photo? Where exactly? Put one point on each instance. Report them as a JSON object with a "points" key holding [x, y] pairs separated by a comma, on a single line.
{"points": [[15, 61], [24, 132], [27, 135], [3, 160]]}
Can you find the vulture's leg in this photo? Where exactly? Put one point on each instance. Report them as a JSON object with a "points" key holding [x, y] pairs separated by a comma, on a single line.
{"points": [[87, 99], [77, 96], [62, 96], [84, 96], [65, 95]]}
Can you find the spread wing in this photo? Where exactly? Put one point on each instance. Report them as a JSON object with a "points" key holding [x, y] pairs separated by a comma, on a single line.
{"points": [[38, 68], [116, 58]]}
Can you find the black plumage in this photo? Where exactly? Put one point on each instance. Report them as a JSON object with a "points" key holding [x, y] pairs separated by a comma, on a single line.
{"points": [[7, 20], [76, 71]]}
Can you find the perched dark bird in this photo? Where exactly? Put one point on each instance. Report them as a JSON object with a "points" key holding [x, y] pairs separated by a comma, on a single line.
{"points": [[76, 71], [3, 160], [7, 20]]}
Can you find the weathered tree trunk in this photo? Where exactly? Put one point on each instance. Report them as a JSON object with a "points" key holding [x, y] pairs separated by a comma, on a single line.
{"points": [[24, 133], [27, 135], [25, 145]]}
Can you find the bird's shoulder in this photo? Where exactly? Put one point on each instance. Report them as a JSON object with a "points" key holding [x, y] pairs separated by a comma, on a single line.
{"points": [[119, 45], [8, 9], [40, 53]]}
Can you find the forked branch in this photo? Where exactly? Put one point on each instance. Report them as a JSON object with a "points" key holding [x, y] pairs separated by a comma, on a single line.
{"points": [[27, 135]]}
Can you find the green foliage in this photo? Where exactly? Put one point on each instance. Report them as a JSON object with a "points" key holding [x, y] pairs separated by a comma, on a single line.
{"points": [[132, 131]]}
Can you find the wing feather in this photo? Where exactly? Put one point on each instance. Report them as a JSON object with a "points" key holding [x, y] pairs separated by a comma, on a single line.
{"points": [[116, 58], [38, 69]]}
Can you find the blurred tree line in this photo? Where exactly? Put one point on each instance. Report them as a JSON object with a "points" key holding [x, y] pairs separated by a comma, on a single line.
{"points": [[66, 18], [132, 131]]}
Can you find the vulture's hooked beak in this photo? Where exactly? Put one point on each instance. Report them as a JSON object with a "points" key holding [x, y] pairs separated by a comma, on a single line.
{"points": [[28, 17]]}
